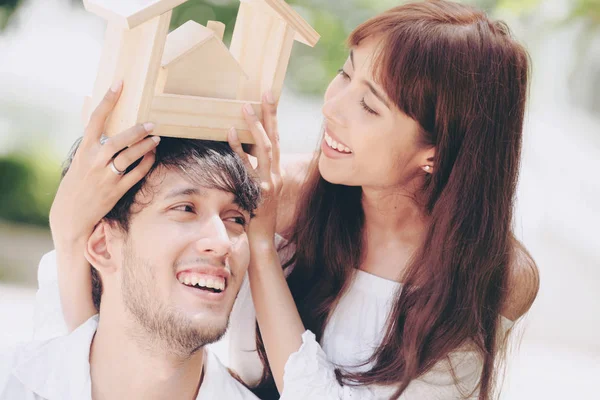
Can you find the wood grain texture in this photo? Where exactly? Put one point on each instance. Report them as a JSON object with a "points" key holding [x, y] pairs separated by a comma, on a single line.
{"points": [[197, 63], [135, 57], [262, 43], [130, 13], [201, 118], [304, 32], [187, 82], [218, 28], [183, 40]]}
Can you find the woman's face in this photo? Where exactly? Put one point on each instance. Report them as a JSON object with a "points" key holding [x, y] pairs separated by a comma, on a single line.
{"points": [[367, 141]]}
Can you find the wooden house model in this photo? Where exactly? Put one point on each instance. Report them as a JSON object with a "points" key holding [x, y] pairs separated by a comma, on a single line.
{"points": [[188, 82]]}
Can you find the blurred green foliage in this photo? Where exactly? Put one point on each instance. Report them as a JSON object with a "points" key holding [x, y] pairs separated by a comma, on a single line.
{"points": [[27, 188], [587, 9], [7, 7]]}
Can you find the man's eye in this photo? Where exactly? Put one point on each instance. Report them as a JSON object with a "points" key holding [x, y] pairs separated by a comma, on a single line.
{"points": [[184, 208], [238, 220]]}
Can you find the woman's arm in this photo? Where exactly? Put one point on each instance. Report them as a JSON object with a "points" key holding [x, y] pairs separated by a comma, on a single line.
{"points": [[280, 324], [74, 284], [278, 318], [88, 191]]}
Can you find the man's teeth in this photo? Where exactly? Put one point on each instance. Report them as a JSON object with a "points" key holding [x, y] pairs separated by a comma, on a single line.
{"points": [[195, 280], [335, 145]]}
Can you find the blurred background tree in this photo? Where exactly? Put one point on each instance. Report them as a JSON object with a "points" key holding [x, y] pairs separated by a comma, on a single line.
{"points": [[7, 7]]}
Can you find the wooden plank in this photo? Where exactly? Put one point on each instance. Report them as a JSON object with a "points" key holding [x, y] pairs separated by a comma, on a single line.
{"points": [[199, 64], [209, 70], [254, 32], [183, 40], [219, 135], [304, 32], [133, 56], [218, 28], [129, 14], [202, 105], [200, 117], [277, 60], [262, 43]]}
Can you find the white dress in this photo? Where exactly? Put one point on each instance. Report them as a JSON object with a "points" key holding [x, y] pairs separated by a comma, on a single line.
{"points": [[355, 329]]}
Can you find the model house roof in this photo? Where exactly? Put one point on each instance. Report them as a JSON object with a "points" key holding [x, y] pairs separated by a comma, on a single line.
{"points": [[189, 37], [130, 13], [304, 32]]}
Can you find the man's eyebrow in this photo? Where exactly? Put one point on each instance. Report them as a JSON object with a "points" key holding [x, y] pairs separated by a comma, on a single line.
{"points": [[186, 191], [192, 191], [370, 85]]}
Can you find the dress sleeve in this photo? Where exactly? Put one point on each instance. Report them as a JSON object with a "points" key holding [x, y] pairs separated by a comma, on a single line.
{"points": [[49, 320], [309, 374]]}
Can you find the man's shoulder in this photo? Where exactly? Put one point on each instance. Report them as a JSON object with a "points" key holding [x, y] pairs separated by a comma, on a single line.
{"points": [[228, 384]]}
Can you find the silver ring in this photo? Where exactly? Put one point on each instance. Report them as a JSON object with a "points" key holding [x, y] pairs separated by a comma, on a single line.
{"points": [[103, 139], [115, 169]]}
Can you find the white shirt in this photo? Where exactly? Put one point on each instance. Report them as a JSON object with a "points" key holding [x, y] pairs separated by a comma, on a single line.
{"points": [[59, 369], [355, 329]]}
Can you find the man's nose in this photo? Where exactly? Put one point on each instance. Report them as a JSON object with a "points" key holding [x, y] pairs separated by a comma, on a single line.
{"points": [[215, 240]]}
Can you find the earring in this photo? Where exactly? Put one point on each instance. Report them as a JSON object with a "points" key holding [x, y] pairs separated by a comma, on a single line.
{"points": [[427, 168]]}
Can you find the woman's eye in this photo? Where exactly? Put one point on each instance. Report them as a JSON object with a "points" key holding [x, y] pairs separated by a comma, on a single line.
{"points": [[367, 108], [343, 74], [184, 207]]}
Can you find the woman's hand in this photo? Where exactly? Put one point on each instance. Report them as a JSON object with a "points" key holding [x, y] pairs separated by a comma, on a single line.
{"points": [[261, 231], [280, 324], [92, 186]]}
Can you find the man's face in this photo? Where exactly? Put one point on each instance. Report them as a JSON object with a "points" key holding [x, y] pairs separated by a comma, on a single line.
{"points": [[182, 261]]}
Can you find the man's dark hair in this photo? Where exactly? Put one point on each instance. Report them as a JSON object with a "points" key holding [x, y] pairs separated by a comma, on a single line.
{"points": [[211, 164]]}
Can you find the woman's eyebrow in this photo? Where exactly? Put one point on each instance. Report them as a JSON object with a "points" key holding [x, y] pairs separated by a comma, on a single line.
{"points": [[370, 85], [376, 93]]}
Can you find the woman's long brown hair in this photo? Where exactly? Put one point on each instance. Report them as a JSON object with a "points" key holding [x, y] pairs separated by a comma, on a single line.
{"points": [[464, 80]]}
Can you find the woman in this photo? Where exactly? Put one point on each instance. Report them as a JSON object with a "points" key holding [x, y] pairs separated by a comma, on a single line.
{"points": [[404, 277]]}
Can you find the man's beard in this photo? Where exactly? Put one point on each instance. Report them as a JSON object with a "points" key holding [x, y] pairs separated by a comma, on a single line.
{"points": [[165, 327]]}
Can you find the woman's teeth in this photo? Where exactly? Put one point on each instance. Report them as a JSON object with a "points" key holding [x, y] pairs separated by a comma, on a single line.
{"points": [[336, 146], [195, 280]]}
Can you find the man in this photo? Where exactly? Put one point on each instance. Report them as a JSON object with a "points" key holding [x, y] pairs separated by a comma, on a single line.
{"points": [[168, 262]]}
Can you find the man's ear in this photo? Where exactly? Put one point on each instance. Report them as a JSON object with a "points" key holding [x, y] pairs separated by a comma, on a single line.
{"points": [[98, 250]]}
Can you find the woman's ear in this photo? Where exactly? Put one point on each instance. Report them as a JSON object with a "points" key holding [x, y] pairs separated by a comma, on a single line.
{"points": [[427, 160], [97, 251]]}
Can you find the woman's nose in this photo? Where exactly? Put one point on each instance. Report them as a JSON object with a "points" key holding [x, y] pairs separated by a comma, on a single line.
{"points": [[332, 108]]}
